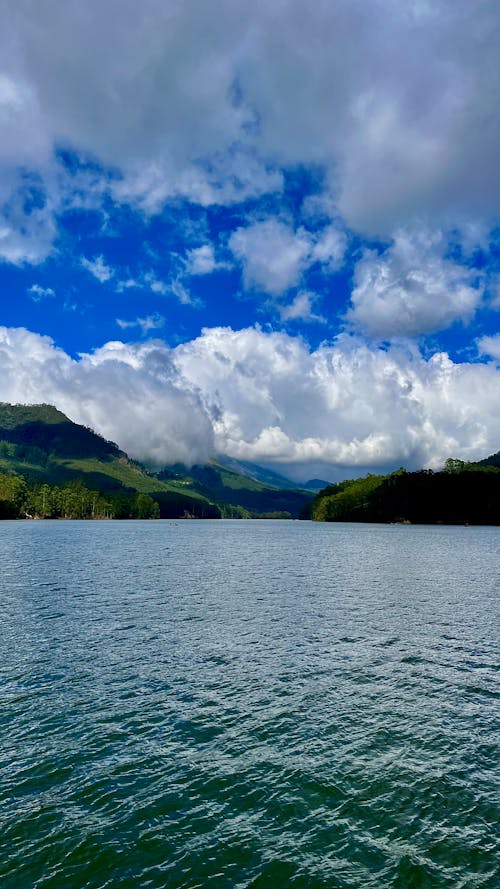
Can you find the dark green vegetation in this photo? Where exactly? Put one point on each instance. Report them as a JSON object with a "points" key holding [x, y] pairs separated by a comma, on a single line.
{"points": [[462, 493], [51, 467]]}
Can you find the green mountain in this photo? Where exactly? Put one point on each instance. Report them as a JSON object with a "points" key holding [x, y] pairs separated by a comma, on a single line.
{"points": [[268, 477], [41, 446], [228, 487]]}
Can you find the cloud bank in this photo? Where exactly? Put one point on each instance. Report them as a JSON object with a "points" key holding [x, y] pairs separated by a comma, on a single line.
{"points": [[265, 397]]}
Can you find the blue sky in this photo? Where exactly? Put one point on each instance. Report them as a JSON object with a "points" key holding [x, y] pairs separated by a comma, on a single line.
{"points": [[270, 232]]}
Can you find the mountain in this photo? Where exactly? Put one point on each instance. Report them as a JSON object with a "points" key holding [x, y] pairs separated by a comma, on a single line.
{"points": [[316, 484], [42, 446], [269, 477], [258, 473], [228, 487]]}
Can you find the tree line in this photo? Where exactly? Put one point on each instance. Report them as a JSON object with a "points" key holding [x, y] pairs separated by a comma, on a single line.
{"points": [[20, 498], [461, 493]]}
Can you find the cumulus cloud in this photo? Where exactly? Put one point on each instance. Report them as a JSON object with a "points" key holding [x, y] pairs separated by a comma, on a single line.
{"points": [[490, 346], [274, 256], [265, 397], [227, 179], [329, 248], [412, 288], [27, 218], [202, 261], [274, 400], [131, 394]]}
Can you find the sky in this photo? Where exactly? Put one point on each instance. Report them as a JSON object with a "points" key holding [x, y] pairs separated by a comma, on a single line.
{"points": [[266, 230]]}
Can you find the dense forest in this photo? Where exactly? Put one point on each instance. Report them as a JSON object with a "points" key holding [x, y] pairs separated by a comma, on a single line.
{"points": [[461, 493]]}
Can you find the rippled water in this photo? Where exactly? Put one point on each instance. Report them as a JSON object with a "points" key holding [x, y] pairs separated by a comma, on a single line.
{"points": [[248, 704]]}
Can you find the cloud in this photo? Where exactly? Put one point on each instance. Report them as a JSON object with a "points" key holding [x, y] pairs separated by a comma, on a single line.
{"points": [[301, 309], [225, 179], [27, 220], [178, 289], [38, 293], [347, 407], [396, 104], [147, 324], [132, 394], [329, 248], [150, 283], [202, 261], [490, 346], [412, 288], [274, 256], [98, 268]]}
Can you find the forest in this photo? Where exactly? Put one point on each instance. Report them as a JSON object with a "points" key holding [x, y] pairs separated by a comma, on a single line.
{"points": [[21, 499], [460, 493]]}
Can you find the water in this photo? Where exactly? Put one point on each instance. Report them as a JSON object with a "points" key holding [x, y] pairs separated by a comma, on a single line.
{"points": [[248, 704]]}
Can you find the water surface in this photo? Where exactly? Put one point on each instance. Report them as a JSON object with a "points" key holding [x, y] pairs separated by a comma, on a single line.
{"points": [[248, 704]]}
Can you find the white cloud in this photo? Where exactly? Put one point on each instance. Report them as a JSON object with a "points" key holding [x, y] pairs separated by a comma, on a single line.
{"points": [[181, 293], [228, 179], [38, 293], [150, 283], [274, 256], [132, 394], [395, 103], [27, 220], [412, 288], [98, 268], [266, 397], [329, 248], [147, 324], [202, 261], [346, 405], [490, 346], [301, 308]]}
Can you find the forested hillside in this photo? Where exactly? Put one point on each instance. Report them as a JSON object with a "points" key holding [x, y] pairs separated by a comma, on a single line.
{"points": [[51, 467], [463, 493]]}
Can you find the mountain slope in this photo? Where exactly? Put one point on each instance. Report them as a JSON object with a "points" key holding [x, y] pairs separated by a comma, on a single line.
{"points": [[44, 446], [227, 486]]}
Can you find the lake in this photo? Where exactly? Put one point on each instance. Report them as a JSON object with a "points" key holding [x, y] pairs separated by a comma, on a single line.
{"points": [[248, 704]]}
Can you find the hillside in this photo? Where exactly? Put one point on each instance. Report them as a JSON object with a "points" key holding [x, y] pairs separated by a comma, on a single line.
{"points": [[42, 446], [462, 493], [229, 487]]}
